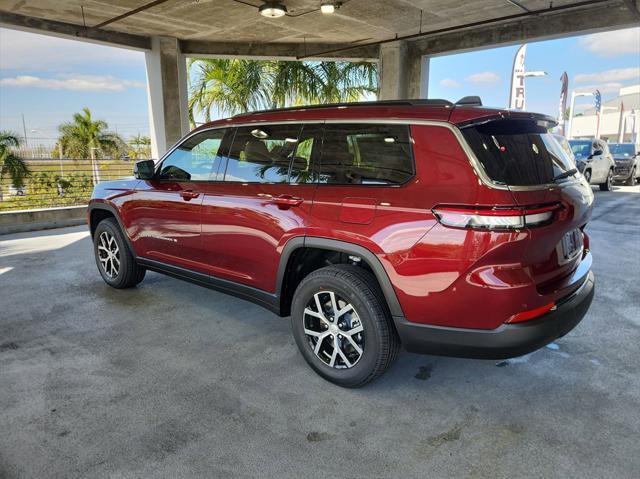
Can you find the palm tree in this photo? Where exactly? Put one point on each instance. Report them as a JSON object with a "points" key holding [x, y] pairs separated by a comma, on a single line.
{"points": [[83, 137], [11, 164], [141, 146], [228, 87]]}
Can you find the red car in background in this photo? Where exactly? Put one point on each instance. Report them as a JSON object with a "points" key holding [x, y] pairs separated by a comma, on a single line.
{"points": [[451, 229]]}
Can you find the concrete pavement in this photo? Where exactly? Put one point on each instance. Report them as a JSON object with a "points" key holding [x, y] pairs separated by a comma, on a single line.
{"points": [[173, 380]]}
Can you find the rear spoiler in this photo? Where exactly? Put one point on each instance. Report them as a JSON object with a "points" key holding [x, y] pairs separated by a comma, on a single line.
{"points": [[473, 100], [549, 121]]}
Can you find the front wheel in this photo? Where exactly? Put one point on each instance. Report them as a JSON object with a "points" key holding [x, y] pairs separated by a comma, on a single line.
{"points": [[114, 259], [587, 176], [341, 325], [607, 185]]}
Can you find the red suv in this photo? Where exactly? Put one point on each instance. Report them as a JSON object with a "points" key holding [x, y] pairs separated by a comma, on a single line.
{"points": [[451, 229]]}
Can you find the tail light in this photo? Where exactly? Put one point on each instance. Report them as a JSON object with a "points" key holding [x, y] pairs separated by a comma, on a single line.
{"points": [[496, 218]]}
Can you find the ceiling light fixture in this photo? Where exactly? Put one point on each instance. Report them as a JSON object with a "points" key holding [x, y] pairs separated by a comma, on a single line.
{"points": [[327, 7], [272, 9]]}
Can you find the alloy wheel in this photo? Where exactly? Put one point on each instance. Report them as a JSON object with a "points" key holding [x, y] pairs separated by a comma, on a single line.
{"points": [[109, 254], [334, 330]]}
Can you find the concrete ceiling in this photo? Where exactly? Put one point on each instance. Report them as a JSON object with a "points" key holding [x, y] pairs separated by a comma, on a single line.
{"points": [[238, 21]]}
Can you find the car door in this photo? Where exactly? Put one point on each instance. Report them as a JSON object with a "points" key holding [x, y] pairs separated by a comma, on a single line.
{"points": [[166, 211], [263, 198], [600, 162]]}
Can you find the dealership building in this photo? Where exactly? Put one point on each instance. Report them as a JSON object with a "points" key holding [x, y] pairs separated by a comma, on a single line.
{"points": [[620, 117]]}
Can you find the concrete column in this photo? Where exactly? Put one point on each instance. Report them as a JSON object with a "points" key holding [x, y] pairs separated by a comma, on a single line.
{"points": [[404, 73], [167, 94]]}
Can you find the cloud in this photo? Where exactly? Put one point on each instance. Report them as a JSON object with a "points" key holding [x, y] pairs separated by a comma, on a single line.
{"points": [[613, 44], [615, 75], [611, 87], [450, 83], [487, 78], [26, 51], [72, 82]]}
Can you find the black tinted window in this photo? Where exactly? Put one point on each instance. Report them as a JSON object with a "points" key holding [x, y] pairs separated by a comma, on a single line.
{"points": [[366, 154], [262, 153], [195, 159], [517, 152]]}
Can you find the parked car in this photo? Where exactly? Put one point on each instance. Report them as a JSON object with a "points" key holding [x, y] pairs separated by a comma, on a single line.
{"points": [[627, 159], [594, 161], [17, 191], [449, 229]]}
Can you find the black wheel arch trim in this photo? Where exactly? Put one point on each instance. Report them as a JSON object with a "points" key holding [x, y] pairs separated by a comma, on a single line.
{"points": [[114, 211], [343, 247]]}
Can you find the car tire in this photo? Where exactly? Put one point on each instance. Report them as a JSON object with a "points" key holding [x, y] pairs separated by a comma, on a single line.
{"points": [[632, 178], [587, 176], [607, 185], [114, 258], [337, 359]]}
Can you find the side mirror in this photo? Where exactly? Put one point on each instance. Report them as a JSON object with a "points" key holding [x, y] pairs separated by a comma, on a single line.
{"points": [[144, 170], [597, 153]]}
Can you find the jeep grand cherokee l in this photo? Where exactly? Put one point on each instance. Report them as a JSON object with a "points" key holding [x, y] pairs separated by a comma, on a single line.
{"points": [[450, 229]]}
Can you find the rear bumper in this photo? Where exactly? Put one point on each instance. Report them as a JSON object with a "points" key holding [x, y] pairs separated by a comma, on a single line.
{"points": [[506, 341]]}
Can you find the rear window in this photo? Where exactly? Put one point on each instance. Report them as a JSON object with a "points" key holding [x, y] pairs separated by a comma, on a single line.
{"points": [[517, 152], [622, 149]]}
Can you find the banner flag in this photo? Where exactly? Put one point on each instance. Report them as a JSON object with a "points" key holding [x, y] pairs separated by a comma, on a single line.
{"points": [[564, 90], [598, 98], [516, 96]]}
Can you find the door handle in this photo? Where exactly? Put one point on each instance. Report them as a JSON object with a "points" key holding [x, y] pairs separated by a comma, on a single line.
{"points": [[188, 195], [286, 201]]}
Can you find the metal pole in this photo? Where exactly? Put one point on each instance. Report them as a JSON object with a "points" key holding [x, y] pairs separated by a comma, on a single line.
{"points": [[60, 154], [24, 130], [94, 173]]}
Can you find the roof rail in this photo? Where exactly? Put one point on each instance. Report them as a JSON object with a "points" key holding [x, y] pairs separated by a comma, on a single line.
{"points": [[472, 100], [409, 102]]}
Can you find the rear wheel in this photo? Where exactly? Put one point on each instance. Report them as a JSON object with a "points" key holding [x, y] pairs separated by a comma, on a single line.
{"points": [[608, 184], [114, 259], [632, 178], [341, 325], [587, 176]]}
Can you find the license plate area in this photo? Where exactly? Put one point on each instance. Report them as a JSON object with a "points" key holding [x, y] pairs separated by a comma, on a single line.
{"points": [[570, 247]]}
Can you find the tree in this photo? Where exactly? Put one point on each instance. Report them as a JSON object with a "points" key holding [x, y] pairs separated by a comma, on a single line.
{"points": [[82, 136], [11, 164], [229, 86], [141, 147]]}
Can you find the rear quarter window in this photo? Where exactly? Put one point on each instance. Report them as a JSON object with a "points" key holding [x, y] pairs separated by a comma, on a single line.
{"points": [[366, 154]]}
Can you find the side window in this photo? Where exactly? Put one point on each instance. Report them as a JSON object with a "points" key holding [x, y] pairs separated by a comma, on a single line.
{"points": [[303, 168], [366, 154], [195, 159], [262, 154]]}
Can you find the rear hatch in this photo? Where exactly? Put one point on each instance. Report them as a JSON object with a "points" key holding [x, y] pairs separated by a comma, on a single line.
{"points": [[518, 152]]}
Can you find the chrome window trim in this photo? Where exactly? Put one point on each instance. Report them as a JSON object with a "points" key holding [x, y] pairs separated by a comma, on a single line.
{"points": [[477, 167]]}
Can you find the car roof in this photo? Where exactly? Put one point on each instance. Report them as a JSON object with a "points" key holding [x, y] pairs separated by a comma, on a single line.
{"points": [[424, 110]]}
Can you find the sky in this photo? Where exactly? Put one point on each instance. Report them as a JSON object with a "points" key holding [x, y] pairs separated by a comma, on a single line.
{"points": [[47, 79]]}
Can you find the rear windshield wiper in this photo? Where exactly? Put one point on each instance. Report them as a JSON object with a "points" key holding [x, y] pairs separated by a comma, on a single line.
{"points": [[566, 174]]}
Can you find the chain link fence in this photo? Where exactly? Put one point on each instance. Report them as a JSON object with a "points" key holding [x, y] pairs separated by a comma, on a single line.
{"points": [[53, 182]]}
